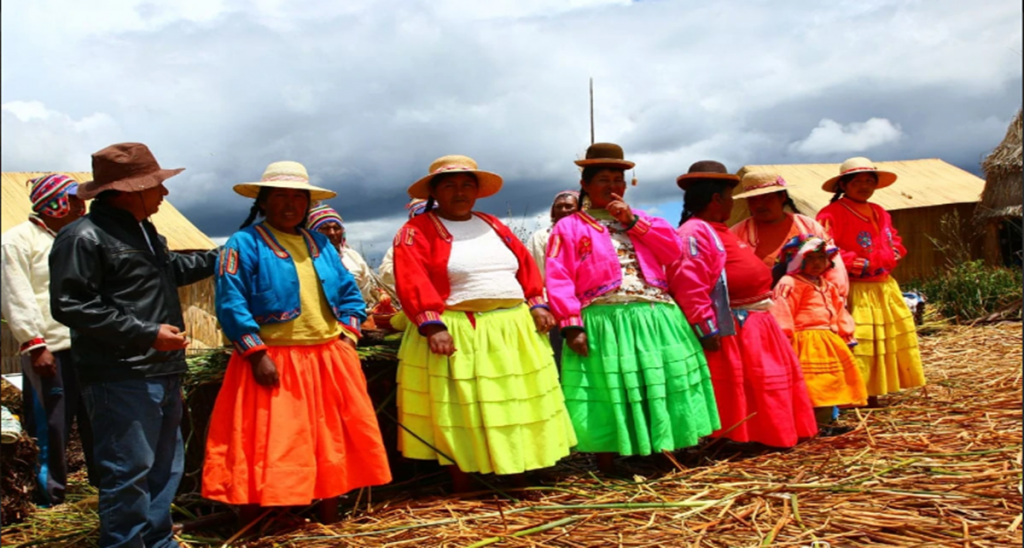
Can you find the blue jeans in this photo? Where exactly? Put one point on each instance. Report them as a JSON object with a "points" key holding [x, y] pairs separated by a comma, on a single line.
{"points": [[140, 458]]}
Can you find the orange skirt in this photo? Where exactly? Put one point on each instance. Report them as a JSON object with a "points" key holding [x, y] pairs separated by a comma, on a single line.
{"points": [[313, 437], [832, 374]]}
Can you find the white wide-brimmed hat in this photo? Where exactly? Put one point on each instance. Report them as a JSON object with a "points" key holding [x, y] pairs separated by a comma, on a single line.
{"points": [[859, 165], [285, 175]]}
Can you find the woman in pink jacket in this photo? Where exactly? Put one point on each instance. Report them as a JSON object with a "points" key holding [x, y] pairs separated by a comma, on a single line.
{"points": [[726, 291], [634, 382]]}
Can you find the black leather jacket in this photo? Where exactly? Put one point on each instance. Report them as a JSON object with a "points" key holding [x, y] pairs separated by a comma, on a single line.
{"points": [[113, 291]]}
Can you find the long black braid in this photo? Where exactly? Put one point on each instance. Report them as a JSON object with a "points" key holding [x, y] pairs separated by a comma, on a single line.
{"points": [[699, 196], [431, 202], [788, 202], [842, 183], [257, 211]]}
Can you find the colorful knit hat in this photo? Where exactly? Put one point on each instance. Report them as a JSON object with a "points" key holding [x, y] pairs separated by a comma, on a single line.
{"points": [[49, 194], [416, 206], [321, 215], [573, 193], [796, 249]]}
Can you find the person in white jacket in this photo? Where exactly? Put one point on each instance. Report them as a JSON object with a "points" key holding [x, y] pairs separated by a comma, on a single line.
{"points": [[563, 205], [50, 391], [327, 221]]}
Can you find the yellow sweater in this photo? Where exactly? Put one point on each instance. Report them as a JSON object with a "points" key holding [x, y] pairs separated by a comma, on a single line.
{"points": [[316, 324]]}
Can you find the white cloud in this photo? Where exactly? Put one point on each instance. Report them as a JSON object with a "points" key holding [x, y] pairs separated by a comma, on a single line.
{"points": [[831, 137], [366, 93], [37, 138]]}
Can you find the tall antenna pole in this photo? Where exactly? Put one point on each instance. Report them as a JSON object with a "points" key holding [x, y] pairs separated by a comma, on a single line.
{"points": [[591, 111]]}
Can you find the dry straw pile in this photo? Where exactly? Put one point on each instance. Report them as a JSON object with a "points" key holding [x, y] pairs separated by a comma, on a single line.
{"points": [[940, 466]]}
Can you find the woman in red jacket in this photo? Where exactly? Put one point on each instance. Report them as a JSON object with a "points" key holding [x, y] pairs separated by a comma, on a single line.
{"points": [[477, 384], [871, 248]]}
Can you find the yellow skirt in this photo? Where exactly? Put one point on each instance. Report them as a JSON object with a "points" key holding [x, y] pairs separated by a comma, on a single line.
{"points": [[495, 406], [830, 370], [887, 351]]}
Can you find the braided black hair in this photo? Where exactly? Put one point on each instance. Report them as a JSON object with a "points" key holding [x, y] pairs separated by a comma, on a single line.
{"points": [[788, 202], [699, 196], [257, 210], [842, 181]]}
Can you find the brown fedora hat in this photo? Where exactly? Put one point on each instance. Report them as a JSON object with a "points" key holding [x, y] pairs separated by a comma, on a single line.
{"points": [[706, 170], [605, 155], [128, 167]]}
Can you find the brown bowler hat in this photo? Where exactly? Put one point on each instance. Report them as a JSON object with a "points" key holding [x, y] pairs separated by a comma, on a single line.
{"points": [[605, 155], [128, 167], [705, 170]]}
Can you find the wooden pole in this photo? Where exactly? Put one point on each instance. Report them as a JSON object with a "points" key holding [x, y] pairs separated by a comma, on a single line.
{"points": [[591, 111]]}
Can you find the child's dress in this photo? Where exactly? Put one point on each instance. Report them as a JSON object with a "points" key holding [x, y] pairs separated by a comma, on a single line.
{"points": [[812, 314]]}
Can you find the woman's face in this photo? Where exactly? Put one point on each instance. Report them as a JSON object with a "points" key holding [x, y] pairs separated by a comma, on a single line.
{"points": [[767, 208], [285, 208], [455, 195], [861, 187], [564, 206], [603, 185], [816, 263], [334, 232]]}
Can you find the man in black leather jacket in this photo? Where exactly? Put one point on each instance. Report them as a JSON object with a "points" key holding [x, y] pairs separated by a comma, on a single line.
{"points": [[114, 282]]}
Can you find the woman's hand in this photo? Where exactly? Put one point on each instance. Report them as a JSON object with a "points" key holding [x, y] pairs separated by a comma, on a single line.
{"points": [[264, 370], [712, 343], [440, 340], [543, 319], [620, 210], [348, 341], [577, 341]]}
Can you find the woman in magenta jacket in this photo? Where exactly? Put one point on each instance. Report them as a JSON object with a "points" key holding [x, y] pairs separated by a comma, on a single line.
{"points": [[635, 380]]}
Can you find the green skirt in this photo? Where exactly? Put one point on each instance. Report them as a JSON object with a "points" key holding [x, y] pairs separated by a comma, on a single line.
{"points": [[494, 406], [645, 387]]}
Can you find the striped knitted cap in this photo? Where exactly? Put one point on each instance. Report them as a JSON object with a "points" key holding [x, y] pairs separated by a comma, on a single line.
{"points": [[49, 194], [321, 215]]}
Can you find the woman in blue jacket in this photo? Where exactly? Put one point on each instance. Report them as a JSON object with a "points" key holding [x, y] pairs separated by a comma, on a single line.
{"points": [[293, 421]]}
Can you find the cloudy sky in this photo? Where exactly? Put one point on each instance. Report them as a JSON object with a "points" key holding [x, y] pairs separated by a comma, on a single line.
{"points": [[366, 94]]}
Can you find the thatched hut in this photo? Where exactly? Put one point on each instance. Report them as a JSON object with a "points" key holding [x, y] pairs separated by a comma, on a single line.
{"points": [[182, 236], [927, 190], [1000, 209]]}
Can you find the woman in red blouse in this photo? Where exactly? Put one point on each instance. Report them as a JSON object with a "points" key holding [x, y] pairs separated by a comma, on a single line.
{"points": [[871, 248], [477, 384]]}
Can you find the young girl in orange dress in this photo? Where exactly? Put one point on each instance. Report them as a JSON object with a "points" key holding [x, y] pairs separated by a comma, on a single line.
{"points": [[812, 313], [871, 248]]}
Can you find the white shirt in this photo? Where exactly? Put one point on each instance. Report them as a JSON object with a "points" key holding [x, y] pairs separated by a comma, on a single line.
{"points": [[26, 288], [355, 264], [538, 246], [386, 271], [481, 266]]}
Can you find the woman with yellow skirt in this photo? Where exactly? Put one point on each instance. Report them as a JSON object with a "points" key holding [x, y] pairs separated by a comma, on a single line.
{"points": [[870, 247], [477, 385]]}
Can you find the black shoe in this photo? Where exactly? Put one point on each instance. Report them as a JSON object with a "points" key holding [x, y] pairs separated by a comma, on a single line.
{"points": [[830, 431]]}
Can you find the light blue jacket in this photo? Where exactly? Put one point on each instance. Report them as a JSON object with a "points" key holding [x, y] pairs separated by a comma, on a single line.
{"points": [[257, 284]]}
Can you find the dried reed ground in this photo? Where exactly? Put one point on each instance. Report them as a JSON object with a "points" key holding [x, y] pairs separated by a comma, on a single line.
{"points": [[941, 466]]}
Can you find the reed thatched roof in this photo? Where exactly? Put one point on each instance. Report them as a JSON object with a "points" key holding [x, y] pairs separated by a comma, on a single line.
{"points": [[181, 234], [921, 183], [1003, 184]]}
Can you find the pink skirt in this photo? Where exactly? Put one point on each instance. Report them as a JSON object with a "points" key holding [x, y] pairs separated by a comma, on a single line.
{"points": [[757, 373]]}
